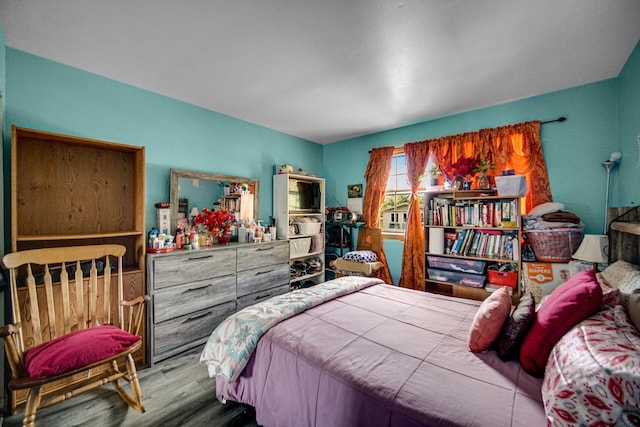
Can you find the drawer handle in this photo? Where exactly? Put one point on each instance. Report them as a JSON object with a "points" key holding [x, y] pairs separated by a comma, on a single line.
{"points": [[199, 257], [270, 248], [262, 297], [197, 317], [196, 289], [264, 272]]}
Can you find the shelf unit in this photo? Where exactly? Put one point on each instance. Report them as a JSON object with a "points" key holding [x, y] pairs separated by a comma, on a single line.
{"points": [[286, 213], [72, 191], [479, 229]]}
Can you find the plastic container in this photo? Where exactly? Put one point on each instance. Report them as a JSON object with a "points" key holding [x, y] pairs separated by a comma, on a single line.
{"points": [[456, 277], [511, 185], [503, 278], [308, 227], [453, 264], [299, 247]]}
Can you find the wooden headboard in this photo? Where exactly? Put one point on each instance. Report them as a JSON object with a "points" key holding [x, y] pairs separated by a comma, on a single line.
{"points": [[624, 234]]}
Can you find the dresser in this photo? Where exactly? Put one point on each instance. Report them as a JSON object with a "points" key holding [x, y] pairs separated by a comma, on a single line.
{"points": [[193, 291]]}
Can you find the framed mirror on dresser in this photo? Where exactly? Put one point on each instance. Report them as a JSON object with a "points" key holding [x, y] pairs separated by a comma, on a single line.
{"points": [[192, 189]]}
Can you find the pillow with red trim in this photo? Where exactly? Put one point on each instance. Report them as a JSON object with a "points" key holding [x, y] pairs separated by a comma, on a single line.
{"points": [[489, 319], [573, 301], [75, 350]]}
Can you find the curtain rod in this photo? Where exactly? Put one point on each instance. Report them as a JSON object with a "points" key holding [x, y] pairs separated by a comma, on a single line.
{"points": [[559, 119]]}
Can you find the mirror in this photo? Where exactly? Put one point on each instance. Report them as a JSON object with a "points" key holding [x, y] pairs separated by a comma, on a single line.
{"points": [[192, 189]]}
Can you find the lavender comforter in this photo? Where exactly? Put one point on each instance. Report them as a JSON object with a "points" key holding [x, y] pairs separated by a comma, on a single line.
{"points": [[383, 356]]}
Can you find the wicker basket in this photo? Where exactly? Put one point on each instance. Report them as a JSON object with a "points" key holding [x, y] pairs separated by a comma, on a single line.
{"points": [[554, 245]]}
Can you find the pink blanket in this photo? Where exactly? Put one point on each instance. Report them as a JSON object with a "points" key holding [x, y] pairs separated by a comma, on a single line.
{"points": [[383, 356]]}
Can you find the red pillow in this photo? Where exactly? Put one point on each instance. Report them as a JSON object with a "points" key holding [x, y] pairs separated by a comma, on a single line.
{"points": [[75, 350], [489, 319], [573, 301]]}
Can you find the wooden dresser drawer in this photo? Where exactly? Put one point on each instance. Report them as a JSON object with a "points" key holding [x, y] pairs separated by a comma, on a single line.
{"points": [[179, 300], [193, 266], [181, 333], [259, 279], [263, 254], [257, 297]]}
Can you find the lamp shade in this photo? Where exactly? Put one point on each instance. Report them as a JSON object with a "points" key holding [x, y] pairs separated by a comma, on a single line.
{"points": [[594, 248], [194, 211]]}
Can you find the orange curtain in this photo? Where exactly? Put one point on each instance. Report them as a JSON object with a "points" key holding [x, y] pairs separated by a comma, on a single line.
{"points": [[376, 177], [417, 156], [516, 147]]}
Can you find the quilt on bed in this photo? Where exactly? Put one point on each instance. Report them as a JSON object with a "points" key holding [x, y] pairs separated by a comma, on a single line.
{"points": [[383, 356]]}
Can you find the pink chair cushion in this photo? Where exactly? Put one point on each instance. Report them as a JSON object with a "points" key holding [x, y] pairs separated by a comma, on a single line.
{"points": [[489, 319], [75, 350], [573, 301]]}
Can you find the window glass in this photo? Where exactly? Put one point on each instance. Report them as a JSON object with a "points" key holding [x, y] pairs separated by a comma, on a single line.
{"points": [[393, 212]]}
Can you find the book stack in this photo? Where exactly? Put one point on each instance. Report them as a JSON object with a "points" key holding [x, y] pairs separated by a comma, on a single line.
{"points": [[481, 213]]}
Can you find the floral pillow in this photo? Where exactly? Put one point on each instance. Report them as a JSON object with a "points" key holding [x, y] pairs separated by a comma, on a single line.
{"points": [[623, 276], [361, 256]]}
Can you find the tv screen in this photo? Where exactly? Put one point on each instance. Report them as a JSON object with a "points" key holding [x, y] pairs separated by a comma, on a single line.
{"points": [[304, 196]]}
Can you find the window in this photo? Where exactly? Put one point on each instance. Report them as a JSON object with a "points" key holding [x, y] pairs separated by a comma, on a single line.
{"points": [[393, 212]]}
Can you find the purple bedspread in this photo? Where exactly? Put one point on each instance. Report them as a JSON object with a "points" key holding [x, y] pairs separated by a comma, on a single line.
{"points": [[383, 356]]}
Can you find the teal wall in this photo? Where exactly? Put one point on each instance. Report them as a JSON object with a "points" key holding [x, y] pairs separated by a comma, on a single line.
{"points": [[46, 95], [629, 90], [601, 118]]}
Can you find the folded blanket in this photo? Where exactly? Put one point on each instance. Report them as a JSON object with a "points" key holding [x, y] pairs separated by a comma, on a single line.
{"points": [[561, 216]]}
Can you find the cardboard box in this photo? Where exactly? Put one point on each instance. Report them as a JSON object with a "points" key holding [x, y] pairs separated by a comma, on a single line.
{"points": [[541, 278]]}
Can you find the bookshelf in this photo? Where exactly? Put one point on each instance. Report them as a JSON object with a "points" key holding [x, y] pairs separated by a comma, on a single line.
{"points": [[472, 243]]}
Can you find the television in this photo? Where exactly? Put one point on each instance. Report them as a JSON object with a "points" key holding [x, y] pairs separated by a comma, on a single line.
{"points": [[304, 196]]}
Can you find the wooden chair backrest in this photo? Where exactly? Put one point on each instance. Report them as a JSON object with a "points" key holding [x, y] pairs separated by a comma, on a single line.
{"points": [[369, 239], [77, 300]]}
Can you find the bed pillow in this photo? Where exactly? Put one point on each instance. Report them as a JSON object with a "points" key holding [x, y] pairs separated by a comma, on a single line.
{"points": [[634, 309], [610, 296], [489, 320], [361, 256], [573, 301], [517, 327], [623, 276], [75, 350]]}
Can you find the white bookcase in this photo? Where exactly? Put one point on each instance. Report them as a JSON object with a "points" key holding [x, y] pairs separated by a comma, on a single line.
{"points": [[297, 198]]}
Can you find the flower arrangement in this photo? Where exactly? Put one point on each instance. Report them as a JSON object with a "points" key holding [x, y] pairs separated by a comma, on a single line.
{"points": [[464, 166], [215, 222]]}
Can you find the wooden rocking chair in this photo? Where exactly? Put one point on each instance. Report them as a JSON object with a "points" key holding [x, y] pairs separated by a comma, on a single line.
{"points": [[62, 341]]}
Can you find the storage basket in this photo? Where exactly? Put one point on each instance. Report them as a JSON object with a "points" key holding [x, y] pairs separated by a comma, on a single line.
{"points": [[554, 245]]}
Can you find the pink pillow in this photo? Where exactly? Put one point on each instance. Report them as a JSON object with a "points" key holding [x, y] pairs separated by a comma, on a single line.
{"points": [[573, 301], [489, 319], [75, 350]]}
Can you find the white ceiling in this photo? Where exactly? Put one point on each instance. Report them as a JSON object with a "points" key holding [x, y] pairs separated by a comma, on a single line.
{"points": [[327, 70]]}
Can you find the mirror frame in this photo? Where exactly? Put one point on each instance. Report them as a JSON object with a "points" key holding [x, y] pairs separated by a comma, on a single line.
{"points": [[176, 174]]}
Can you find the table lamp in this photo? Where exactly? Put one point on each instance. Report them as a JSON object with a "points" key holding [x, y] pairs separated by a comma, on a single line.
{"points": [[594, 248]]}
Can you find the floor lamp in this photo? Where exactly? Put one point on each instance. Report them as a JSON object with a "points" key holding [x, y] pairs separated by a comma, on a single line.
{"points": [[609, 165]]}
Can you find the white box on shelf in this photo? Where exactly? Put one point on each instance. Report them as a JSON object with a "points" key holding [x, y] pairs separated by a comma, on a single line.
{"points": [[511, 185], [299, 247]]}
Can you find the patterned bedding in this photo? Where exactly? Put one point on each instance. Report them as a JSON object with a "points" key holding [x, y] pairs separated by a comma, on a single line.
{"points": [[231, 344], [383, 356], [593, 374]]}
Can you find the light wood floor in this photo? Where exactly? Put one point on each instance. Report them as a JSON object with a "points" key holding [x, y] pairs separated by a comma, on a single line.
{"points": [[175, 392]]}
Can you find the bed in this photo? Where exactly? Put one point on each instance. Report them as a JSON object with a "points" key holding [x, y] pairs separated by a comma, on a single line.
{"points": [[380, 355]]}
